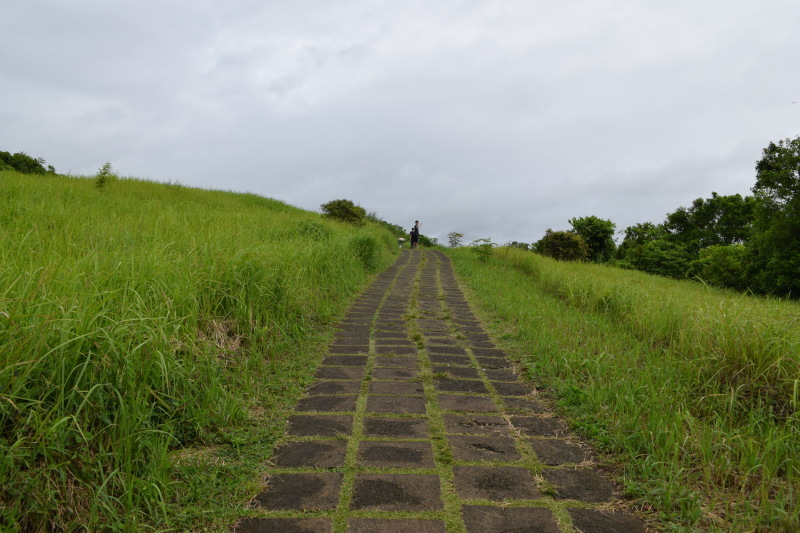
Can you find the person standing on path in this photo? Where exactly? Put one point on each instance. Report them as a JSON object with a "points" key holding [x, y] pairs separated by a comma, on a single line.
{"points": [[415, 235]]}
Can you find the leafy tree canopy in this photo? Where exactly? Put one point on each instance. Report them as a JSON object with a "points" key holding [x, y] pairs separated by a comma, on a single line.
{"points": [[562, 245], [717, 220], [598, 234], [774, 249], [22, 162], [346, 211]]}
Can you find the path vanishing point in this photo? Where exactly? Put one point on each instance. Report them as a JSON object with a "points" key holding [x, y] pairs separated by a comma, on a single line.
{"points": [[417, 423]]}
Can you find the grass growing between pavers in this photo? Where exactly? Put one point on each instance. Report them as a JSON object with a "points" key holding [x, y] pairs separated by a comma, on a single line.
{"points": [[694, 390]]}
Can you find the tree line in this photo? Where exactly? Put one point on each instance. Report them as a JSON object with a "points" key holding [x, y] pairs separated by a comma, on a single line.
{"points": [[749, 243]]}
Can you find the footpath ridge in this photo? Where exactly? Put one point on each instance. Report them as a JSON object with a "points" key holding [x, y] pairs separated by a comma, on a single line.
{"points": [[417, 423]]}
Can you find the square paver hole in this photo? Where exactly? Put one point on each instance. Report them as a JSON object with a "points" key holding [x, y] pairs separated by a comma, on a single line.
{"points": [[311, 453], [345, 360], [397, 492], [394, 525], [537, 426], [463, 403], [476, 425], [460, 385], [483, 448], [313, 492], [327, 403], [284, 525], [402, 362], [404, 388], [396, 404], [398, 428], [399, 454], [340, 372], [591, 520], [496, 483], [450, 360], [554, 452], [457, 371], [511, 388], [524, 405], [489, 519], [334, 387], [320, 425], [586, 485], [395, 373]]}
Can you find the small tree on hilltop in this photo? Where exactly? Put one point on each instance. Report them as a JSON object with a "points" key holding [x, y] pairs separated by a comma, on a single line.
{"points": [[346, 211], [454, 239], [562, 245], [598, 234]]}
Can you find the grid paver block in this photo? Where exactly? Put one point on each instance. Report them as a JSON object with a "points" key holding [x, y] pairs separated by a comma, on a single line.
{"points": [[320, 425], [582, 484], [591, 521], [394, 525], [313, 492], [491, 519], [399, 454], [397, 492], [495, 483], [311, 453]]}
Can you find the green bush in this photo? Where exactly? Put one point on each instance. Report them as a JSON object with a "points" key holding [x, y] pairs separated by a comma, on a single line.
{"points": [[563, 245], [722, 266], [345, 211]]}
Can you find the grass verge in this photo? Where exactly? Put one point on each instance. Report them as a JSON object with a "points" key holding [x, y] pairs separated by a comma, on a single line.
{"points": [[694, 390]]}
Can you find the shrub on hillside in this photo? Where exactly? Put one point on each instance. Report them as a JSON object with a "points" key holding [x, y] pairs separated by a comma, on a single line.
{"points": [[664, 258], [722, 266], [562, 245], [346, 211], [22, 162]]}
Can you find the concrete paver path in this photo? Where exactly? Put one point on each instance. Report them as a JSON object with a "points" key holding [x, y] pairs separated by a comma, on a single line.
{"points": [[417, 423]]}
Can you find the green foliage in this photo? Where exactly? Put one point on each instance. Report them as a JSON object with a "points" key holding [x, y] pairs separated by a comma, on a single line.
{"points": [[483, 248], [717, 220], [138, 331], [598, 235], [562, 245], [104, 175], [664, 258], [520, 245], [314, 230], [722, 266], [454, 239], [22, 162], [345, 211], [775, 247], [366, 248]]}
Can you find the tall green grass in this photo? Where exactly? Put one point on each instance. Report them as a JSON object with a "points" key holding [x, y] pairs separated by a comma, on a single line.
{"points": [[142, 319], [696, 389]]}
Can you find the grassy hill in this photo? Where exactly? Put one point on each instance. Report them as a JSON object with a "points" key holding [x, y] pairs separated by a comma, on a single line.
{"points": [[695, 390], [150, 335]]}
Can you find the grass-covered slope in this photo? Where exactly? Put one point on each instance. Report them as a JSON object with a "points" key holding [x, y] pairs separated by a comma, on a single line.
{"points": [[697, 390], [141, 321]]}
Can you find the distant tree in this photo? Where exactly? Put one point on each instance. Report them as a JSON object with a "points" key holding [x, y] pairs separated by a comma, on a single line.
{"points": [[484, 248], [427, 241], [22, 162], [345, 211], [454, 239], [664, 258], [722, 266], [637, 236], [562, 245], [774, 249], [717, 220], [598, 234], [520, 245]]}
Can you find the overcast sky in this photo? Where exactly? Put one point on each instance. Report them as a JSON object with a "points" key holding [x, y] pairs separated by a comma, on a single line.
{"points": [[495, 119]]}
